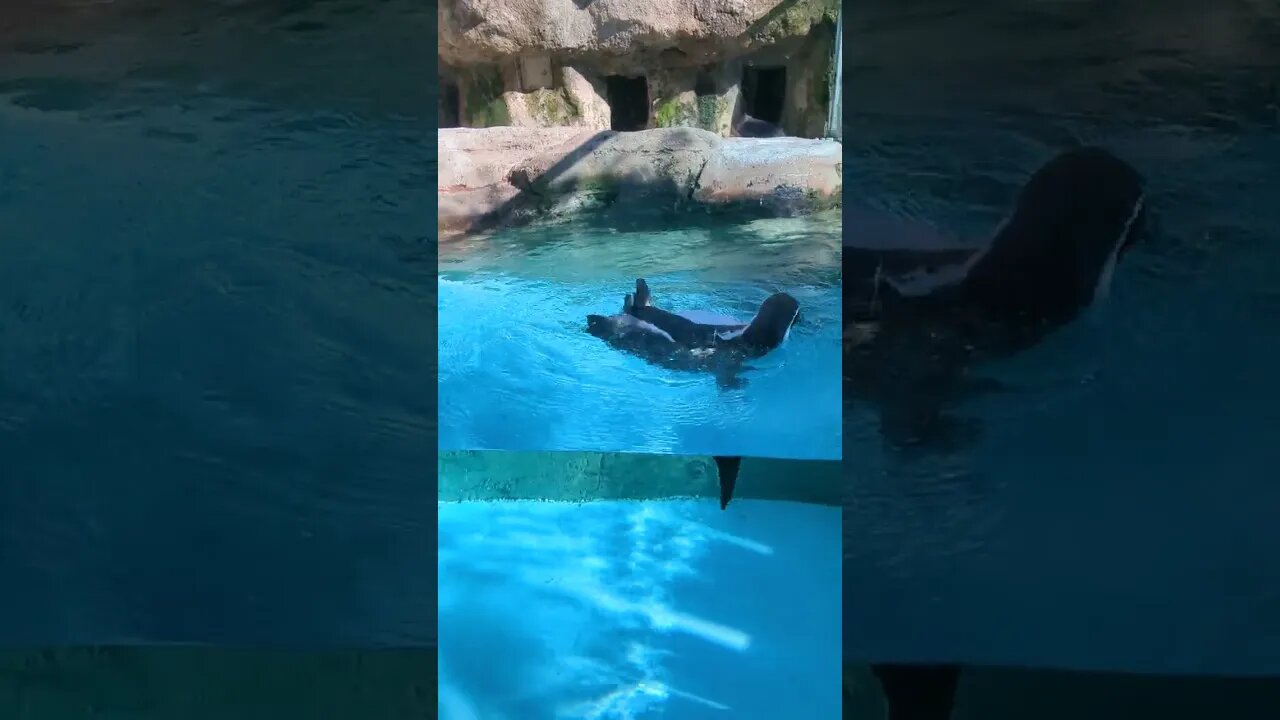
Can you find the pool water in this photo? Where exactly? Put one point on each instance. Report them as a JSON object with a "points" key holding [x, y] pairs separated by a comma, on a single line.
{"points": [[216, 337], [1117, 511], [518, 370], [625, 610]]}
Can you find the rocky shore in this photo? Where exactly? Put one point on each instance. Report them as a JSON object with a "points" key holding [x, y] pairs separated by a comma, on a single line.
{"points": [[492, 176]]}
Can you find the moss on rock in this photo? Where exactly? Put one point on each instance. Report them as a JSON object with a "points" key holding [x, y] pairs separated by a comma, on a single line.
{"points": [[708, 111], [486, 106], [818, 202], [676, 112], [793, 18], [606, 186], [551, 108]]}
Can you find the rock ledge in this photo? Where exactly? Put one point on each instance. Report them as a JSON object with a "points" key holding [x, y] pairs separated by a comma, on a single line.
{"points": [[495, 175]]}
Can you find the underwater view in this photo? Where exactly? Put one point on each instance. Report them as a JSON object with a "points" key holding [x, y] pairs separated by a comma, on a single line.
{"points": [[631, 608], [520, 371], [1111, 505], [216, 338]]}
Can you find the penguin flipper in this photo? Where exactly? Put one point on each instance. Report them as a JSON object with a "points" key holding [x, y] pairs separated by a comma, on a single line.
{"points": [[727, 467]]}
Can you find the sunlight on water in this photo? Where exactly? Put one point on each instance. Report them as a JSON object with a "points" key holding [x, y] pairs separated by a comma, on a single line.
{"points": [[625, 610]]}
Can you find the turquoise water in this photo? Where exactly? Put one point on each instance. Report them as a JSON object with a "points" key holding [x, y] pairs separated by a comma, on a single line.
{"points": [[623, 610], [519, 372], [216, 338], [1118, 508]]}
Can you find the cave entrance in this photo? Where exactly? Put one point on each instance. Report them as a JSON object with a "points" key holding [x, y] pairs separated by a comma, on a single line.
{"points": [[704, 83], [628, 102], [764, 93], [450, 105]]}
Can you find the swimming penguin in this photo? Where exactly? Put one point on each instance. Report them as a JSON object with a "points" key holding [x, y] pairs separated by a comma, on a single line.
{"points": [[916, 319], [727, 471], [696, 340]]}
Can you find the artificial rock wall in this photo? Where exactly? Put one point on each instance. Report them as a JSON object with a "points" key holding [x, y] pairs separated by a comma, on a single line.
{"points": [[546, 63]]}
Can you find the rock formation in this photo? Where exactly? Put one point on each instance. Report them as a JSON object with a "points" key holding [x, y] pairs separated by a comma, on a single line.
{"points": [[489, 176], [636, 64]]}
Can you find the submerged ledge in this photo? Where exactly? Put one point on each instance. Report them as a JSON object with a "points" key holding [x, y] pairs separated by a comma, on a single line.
{"points": [[588, 476], [494, 176]]}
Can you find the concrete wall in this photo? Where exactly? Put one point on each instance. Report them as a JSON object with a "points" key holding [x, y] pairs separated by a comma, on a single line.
{"points": [[579, 477], [1021, 694], [208, 683]]}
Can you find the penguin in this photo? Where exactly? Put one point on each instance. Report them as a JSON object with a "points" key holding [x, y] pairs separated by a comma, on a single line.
{"points": [[916, 320], [696, 340]]}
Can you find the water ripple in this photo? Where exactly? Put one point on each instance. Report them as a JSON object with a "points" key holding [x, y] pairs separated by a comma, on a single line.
{"points": [[519, 372], [216, 373]]}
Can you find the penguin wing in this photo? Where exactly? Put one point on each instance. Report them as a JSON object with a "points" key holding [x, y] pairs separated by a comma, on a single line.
{"points": [[882, 251], [707, 317], [867, 289], [629, 325], [871, 229], [641, 326], [926, 281]]}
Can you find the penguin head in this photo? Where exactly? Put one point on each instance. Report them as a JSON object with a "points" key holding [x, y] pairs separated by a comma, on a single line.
{"points": [[1074, 220], [773, 322]]}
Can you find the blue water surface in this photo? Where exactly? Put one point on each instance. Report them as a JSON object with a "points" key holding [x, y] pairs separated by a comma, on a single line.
{"points": [[518, 370], [1118, 511], [216, 340], [622, 610]]}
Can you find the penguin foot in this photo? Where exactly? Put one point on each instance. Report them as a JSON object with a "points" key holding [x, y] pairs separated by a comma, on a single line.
{"points": [[642, 293]]}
